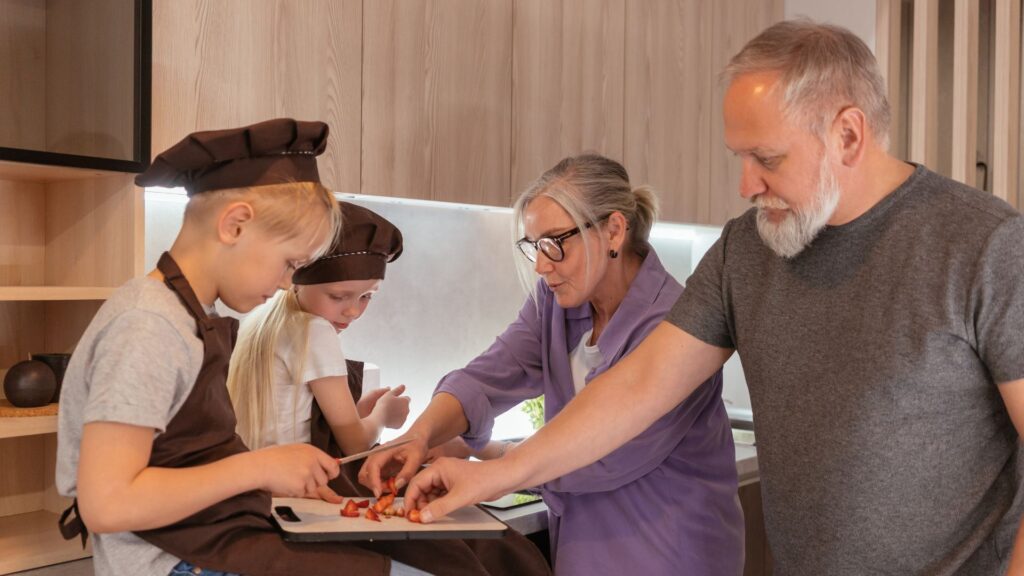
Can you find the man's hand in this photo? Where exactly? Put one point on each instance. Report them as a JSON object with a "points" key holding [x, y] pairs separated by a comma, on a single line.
{"points": [[450, 483]]}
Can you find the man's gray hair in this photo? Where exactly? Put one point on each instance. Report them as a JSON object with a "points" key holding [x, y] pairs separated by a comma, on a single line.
{"points": [[823, 69]]}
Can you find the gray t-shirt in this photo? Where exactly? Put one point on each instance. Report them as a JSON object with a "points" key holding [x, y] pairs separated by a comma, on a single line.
{"points": [[135, 364], [873, 359]]}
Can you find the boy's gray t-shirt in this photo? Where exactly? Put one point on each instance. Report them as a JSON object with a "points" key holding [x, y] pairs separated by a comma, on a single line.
{"points": [[873, 359], [135, 364]]}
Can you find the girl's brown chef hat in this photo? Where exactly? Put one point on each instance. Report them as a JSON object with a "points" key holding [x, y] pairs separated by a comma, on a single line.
{"points": [[364, 246], [272, 152]]}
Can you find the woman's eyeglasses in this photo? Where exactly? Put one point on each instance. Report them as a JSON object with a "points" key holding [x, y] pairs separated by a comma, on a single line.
{"points": [[551, 246]]}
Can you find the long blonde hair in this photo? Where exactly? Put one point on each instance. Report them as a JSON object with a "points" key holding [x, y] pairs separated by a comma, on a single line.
{"points": [[251, 375]]}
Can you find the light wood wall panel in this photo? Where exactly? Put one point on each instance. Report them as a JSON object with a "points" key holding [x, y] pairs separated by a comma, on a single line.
{"points": [[227, 63], [22, 233], [734, 23], [92, 232], [1006, 100], [888, 42], [90, 64], [668, 103], [568, 83], [924, 84], [22, 485], [23, 68], [437, 99], [965, 91]]}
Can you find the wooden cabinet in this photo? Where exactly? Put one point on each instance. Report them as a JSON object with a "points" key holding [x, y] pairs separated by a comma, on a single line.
{"points": [[758, 555], [437, 85], [70, 220], [674, 53], [227, 63], [568, 92], [469, 100]]}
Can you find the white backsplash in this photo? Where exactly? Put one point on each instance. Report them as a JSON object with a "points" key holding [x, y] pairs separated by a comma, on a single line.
{"points": [[453, 290]]}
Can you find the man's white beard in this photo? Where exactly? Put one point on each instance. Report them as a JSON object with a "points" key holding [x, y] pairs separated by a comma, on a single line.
{"points": [[799, 228]]}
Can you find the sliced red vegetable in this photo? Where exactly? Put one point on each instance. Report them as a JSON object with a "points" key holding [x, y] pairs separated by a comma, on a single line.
{"points": [[413, 515], [391, 485], [372, 515], [351, 510], [384, 502], [363, 503]]}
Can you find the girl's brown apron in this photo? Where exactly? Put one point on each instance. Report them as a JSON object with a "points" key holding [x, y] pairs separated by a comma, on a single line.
{"points": [[237, 535]]}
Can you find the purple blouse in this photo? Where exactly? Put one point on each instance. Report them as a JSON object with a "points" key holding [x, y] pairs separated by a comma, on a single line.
{"points": [[663, 503]]}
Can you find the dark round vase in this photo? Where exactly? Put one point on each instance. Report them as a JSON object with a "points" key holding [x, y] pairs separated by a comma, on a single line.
{"points": [[58, 363], [29, 383]]}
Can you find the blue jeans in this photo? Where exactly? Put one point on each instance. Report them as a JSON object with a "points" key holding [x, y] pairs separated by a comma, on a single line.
{"points": [[185, 569]]}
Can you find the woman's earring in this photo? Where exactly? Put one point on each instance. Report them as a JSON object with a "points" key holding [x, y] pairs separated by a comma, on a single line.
{"points": [[613, 253]]}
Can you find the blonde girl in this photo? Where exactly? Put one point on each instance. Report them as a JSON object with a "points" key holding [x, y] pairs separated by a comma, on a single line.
{"points": [[288, 355]]}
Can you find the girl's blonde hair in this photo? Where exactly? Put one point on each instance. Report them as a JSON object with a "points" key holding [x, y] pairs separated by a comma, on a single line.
{"points": [[589, 187], [284, 210], [251, 373]]}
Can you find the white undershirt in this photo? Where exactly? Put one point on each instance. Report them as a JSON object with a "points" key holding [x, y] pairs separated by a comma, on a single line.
{"points": [[583, 359]]}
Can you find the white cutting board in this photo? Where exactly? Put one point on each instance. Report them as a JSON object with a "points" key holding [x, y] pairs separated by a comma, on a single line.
{"points": [[321, 521]]}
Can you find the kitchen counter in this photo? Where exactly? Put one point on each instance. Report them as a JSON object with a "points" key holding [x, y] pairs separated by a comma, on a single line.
{"points": [[534, 517]]}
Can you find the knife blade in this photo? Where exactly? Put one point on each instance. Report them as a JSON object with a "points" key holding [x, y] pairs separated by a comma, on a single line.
{"points": [[381, 448]]}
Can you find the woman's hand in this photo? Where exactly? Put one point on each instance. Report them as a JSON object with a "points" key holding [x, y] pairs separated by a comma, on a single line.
{"points": [[454, 448], [403, 462], [393, 408], [294, 470]]}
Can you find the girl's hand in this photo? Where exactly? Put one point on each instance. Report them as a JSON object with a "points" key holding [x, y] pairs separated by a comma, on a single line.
{"points": [[393, 408], [294, 470], [367, 402]]}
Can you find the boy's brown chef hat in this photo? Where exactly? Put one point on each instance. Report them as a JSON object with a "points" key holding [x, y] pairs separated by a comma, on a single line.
{"points": [[364, 246], [272, 152]]}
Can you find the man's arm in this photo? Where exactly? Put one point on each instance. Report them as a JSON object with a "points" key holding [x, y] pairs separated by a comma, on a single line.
{"points": [[1013, 397], [613, 408]]}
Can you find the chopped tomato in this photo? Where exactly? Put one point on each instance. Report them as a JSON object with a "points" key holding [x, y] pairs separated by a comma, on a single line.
{"points": [[391, 485], [372, 515], [363, 503], [413, 515]]}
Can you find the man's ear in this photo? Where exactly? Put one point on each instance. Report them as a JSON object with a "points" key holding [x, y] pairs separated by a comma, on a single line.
{"points": [[848, 130], [232, 221]]}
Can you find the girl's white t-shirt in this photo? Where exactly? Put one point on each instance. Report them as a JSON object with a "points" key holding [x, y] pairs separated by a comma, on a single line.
{"points": [[324, 358]]}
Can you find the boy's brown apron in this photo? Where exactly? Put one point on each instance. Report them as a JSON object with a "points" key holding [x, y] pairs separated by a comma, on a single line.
{"points": [[236, 535]]}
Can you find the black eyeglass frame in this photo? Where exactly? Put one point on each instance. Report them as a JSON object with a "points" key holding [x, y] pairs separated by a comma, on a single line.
{"points": [[557, 240]]}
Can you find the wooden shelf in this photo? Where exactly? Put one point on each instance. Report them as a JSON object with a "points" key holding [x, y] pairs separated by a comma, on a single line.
{"points": [[15, 426], [42, 293], [43, 173], [32, 540]]}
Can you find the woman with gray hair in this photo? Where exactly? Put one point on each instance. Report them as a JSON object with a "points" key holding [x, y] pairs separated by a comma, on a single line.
{"points": [[665, 502]]}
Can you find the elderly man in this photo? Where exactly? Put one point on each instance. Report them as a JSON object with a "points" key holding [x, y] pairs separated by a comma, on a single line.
{"points": [[879, 311]]}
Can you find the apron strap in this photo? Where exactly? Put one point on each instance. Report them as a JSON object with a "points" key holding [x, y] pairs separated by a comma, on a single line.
{"points": [[69, 528], [177, 282]]}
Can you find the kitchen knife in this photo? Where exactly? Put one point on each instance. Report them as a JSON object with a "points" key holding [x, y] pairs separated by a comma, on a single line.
{"points": [[380, 448]]}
